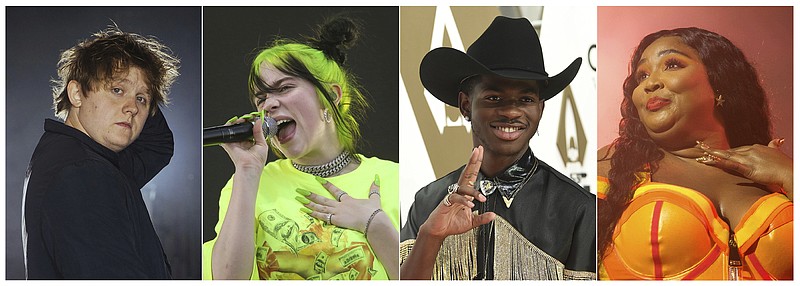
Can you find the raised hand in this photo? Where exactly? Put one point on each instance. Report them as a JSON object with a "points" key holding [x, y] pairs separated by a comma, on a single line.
{"points": [[454, 214], [248, 155]]}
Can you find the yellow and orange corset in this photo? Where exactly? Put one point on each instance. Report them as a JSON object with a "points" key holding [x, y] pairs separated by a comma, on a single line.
{"points": [[669, 232]]}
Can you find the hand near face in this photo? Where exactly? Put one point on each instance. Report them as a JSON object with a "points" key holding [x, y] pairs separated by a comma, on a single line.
{"points": [[763, 164], [458, 217], [345, 211], [248, 155]]}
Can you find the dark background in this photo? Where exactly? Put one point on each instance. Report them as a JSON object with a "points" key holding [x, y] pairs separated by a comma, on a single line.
{"points": [[232, 37], [35, 36]]}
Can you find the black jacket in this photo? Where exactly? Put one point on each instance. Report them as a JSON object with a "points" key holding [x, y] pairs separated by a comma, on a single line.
{"points": [[84, 215]]}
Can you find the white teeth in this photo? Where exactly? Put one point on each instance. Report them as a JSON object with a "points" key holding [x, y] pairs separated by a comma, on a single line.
{"points": [[508, 129], [282, 121]]}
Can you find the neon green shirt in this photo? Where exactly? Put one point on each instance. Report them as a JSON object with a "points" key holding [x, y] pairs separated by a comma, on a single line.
{"points": [[286, 238]]}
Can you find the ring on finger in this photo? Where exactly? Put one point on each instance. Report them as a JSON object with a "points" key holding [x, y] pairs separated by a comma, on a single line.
{"points": [[374, 192], [330, 216], [452, 188], [446, 201], [339, 196]]}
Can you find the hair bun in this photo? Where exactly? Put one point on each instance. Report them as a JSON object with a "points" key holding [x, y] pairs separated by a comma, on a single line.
{"points": [[335, 36]]}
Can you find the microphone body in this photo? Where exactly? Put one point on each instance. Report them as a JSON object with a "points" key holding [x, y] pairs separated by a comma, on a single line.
{"points": [[216, 135]]}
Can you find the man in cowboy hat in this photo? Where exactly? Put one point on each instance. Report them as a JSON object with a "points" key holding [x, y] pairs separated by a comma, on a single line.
{"points": [[506, 214]]}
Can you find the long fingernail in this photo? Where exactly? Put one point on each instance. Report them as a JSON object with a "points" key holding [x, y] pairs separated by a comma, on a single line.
{"points": [[302, 199], [320, 180], [302, 192], [702, 145], [305, 210], [232, 119], [377, 180]]}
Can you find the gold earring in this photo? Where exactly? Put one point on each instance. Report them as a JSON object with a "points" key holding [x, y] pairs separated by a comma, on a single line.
{"points": [[719, 100]]}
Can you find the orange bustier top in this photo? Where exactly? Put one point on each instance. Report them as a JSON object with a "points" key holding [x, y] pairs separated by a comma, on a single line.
{"points": [[669, 232]]}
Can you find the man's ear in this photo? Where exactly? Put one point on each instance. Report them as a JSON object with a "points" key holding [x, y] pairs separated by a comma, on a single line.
{"points": [[337, 90], [464, 105], [74, 93]]}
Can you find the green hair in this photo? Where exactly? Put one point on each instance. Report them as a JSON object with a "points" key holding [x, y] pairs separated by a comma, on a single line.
{"points": [[321, 71]]}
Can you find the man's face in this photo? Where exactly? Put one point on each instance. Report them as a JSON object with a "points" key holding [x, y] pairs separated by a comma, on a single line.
{"points": [[504, 112], [114, 113]]}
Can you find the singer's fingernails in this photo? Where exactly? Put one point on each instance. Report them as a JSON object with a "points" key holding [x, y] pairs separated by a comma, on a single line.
{"points": [[320, 180], [232, 119], [302, 200], [303, 192], [305, 210], [708, 158], [377, 180], [704, 160]]}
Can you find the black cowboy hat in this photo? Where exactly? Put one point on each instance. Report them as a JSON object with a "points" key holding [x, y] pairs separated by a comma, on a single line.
{"points": [[508, 48]]}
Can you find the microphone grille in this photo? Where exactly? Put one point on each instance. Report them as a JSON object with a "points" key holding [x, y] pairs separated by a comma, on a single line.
{"points": [[270, 127]]}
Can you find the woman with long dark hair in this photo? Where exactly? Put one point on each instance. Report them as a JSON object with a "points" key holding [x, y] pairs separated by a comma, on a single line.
{"points": [[324, 211], [695, 186]]}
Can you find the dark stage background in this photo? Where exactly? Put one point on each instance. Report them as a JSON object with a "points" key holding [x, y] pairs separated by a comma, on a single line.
{"points": [[232, 37], [34, 38]]}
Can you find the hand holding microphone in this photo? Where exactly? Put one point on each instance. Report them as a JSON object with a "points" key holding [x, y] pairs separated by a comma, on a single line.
{"points": [[244, 139], [216, 135]]}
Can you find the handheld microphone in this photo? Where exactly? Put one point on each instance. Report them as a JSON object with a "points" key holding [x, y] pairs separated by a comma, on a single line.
{"points": [[216, 135]]}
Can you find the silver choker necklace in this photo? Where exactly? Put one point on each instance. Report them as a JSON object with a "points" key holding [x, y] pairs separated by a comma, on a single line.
{"points": [[328, 169]]}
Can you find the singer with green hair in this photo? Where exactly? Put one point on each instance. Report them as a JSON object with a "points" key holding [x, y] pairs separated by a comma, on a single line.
{"points": [[323, 211]]}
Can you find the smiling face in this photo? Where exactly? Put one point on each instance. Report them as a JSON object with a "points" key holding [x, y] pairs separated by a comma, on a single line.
{"points": [[674, 98], [505, 114], [293, 102], [113, 113]]}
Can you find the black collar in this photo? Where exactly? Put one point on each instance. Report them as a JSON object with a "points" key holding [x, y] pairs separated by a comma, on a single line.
{"points": [[66, 130], [514, 176]]}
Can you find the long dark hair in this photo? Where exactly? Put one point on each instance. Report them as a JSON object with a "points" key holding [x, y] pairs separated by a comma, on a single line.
{"points": [[745, 117]]}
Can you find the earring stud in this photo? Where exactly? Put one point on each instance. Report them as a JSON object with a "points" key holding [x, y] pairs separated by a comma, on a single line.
{"points": [[719, 100]]}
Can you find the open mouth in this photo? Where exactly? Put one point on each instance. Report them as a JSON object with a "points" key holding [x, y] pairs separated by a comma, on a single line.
{"points": [[507, 129], [508, 132], [286, 128]]}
